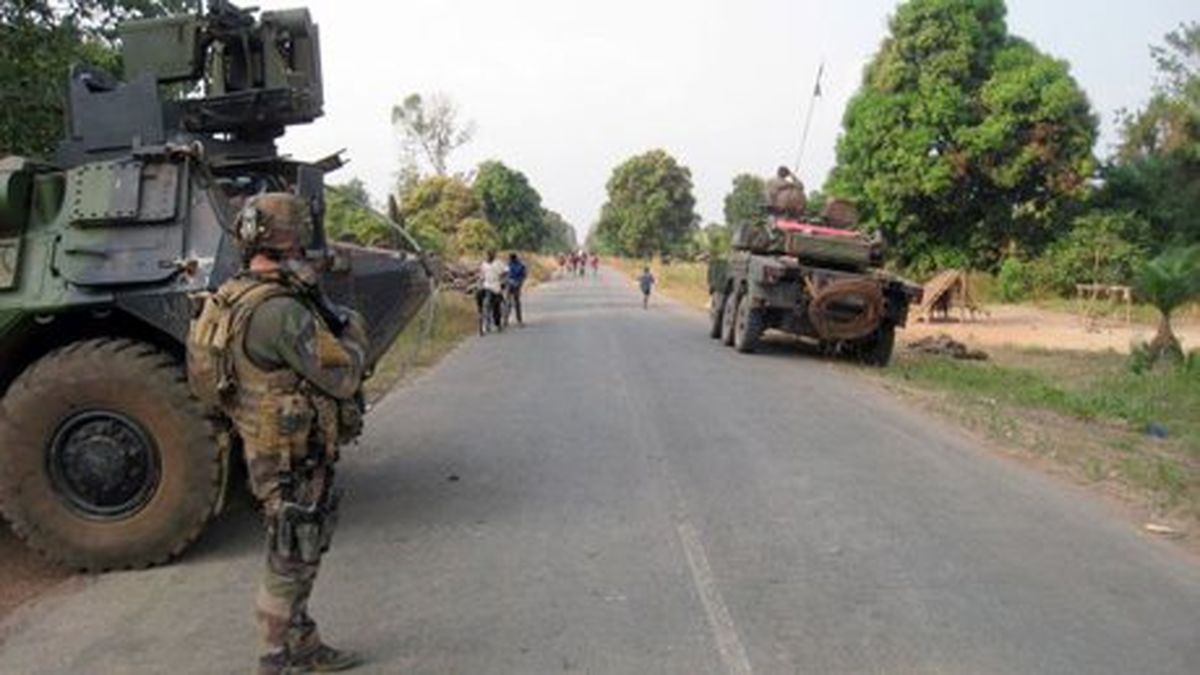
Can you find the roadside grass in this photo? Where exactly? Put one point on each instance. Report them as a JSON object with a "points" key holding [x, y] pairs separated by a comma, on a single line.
{"points": [[686, 282], [1085, 412], [454, 319]]}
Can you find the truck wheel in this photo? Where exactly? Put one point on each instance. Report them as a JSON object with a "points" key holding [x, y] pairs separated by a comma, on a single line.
{"points": [[728, 318], [108, 460], [748, 327], [877, 349], [716, 309]]}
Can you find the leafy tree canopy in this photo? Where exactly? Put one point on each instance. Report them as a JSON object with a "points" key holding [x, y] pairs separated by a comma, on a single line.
{"points": [[560, 236], [744, 202], [348, 217], [475, 236], [434, 208], [650, 207], [39, 42], [964, 137], [512, 205], [1156, 172]]}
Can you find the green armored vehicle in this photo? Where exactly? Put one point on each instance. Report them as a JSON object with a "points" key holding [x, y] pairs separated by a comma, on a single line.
{"points": [[106, 459], [811, 277]]}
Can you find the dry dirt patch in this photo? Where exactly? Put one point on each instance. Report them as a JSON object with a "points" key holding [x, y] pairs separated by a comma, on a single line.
{"points": [[23, 575]]}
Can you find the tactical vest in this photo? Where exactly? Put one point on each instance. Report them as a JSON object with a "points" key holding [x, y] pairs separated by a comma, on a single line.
{"points": [[274, 411]]}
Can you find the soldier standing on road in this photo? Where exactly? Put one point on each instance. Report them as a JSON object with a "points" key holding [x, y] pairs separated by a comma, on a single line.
{"points": [[290, 380]]}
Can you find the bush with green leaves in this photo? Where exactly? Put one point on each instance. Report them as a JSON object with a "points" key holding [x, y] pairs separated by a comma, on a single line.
{"points": [[1099, 249], [1013, 282], [1168, 282]]}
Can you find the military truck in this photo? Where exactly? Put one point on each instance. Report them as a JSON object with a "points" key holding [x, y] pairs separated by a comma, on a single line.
{"points": [[811, 277], [106, 459]]}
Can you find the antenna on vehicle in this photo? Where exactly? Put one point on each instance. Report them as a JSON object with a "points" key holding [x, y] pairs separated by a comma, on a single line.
{"points": [[812, 104]]}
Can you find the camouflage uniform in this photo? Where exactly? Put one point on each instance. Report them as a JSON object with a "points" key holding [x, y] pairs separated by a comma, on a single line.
{"points": [[293, 400]]}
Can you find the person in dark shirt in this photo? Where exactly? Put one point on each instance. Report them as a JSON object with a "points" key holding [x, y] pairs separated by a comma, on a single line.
{"points": [[516, 280]]}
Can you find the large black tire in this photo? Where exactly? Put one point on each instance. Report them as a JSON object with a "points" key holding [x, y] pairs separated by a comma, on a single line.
{"points": [[716, 310], [877, 349], [108, 462], [729, 317], [748, 327]]}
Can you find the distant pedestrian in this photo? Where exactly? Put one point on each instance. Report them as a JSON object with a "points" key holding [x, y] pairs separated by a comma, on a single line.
{"points": [[646, 282], [595, 266]]}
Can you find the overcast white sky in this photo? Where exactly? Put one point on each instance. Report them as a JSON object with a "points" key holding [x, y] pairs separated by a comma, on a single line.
{"points": [[564, 90]]}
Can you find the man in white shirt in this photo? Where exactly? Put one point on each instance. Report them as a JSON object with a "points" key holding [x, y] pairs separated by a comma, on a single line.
{"points": [[491, 286]]}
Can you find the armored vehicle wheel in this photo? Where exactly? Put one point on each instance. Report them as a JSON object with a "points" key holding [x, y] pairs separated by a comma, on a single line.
{"points": [[728, 318], [877, 349], [108, 461], [716, 310], [748, 327]]}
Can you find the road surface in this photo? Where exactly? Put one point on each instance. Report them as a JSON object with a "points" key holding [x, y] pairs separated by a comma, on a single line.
{"points": [[609, 491]]}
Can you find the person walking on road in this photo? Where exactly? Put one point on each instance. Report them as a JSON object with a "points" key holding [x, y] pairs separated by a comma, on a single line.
{"points": [[646, 282], [516, 280], [286, 366], [491, 288], [595, 266]]}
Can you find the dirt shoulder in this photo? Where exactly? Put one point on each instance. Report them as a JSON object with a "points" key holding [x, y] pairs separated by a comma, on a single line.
{"points": [[23, 575], [1033, 327]]}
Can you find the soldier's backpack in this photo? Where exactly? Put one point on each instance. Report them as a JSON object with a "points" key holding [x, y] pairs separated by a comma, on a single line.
{"points": [[222, 317]]}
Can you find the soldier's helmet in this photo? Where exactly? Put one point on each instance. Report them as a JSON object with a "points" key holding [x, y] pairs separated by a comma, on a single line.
{"points": [[274, 222]]}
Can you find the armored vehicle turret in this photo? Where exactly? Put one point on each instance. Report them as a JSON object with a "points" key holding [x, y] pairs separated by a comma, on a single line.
{"points": [[106, 459]]}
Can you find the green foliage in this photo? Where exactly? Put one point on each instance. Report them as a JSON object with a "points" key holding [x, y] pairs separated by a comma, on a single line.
{"points": [[475, 236], [650, 207], [433, 209], [512, 205], [1013, 281], [1171, 279], [348, 217], [560, 236], [1097, 250], [39, 41], [1156, 173], [743, 204], [963, 137]]}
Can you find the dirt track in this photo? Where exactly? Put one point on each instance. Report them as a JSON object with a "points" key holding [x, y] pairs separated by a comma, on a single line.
{"points": [[1024, 326]]}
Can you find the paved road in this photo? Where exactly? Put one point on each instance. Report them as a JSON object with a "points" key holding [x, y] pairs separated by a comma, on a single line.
{"points": [[608, 491]]}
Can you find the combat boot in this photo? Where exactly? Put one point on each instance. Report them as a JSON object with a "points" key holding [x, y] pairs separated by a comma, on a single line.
{"points": [[275, 664], [325, 659]]}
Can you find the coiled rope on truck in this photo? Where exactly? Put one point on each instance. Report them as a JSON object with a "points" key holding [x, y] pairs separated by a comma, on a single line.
{"points": [[848, 309]]}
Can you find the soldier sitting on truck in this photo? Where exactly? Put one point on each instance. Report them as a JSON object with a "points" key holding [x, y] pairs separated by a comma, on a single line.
{"points": [[785, 195]]}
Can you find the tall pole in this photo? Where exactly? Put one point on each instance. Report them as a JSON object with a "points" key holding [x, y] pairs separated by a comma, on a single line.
{"points": [[812, 103]]}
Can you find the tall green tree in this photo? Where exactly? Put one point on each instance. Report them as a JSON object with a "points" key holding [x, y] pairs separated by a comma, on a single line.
{"points": [[39, 42], [560, 236], [512, 205], [744, 202], [650, 207], [1156, 172], [964, 137]]}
